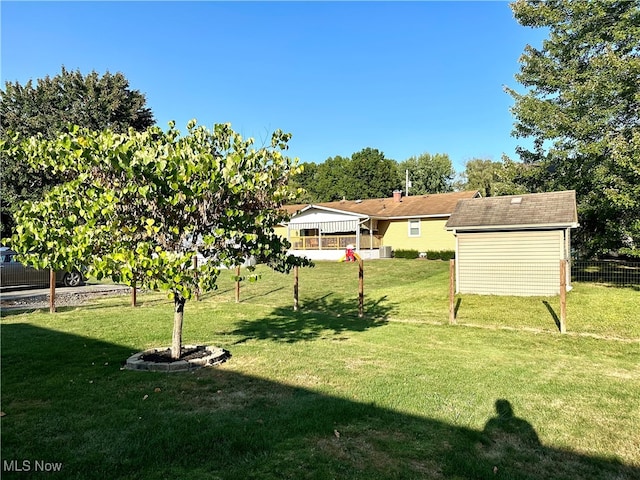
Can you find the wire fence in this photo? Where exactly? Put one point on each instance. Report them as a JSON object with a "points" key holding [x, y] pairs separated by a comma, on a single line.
{"points": [[610, 272]]}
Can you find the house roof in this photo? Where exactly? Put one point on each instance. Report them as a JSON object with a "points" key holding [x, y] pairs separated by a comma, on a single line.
{"points": [[432, 205], [534, 210]]}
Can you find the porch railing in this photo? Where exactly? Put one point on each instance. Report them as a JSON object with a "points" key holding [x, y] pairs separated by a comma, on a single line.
{"points": [[334, 242]]}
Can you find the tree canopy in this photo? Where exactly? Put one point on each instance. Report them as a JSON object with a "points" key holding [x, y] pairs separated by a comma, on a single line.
{"points": [[46, 108], [330, 181], [490, 178], [371, 175], [582, 110], [366, 174], [428, 173], [138, 207], [92, 101]]}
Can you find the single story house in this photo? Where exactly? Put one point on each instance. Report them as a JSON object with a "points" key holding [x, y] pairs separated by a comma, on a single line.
{"points": [[374, 227], [513, 244]]}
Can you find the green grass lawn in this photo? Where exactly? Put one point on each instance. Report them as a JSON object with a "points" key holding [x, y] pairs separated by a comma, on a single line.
{"points": [[321, 393]]}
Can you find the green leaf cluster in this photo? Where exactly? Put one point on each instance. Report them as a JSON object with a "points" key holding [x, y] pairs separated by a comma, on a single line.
{"points": [[141, 206]]}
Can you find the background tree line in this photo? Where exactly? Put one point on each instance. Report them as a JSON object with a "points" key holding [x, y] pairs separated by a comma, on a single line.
{"points": [[368, 174]]}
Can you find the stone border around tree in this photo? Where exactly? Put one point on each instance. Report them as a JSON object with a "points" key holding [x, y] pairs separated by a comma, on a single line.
{"points": [[214, 356]]}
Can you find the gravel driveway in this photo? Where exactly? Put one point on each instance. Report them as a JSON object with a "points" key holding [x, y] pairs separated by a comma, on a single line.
{"points": [[26, 298]]}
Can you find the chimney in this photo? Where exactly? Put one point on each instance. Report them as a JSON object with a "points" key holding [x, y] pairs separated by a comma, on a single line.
{"points": [[397, 196]]}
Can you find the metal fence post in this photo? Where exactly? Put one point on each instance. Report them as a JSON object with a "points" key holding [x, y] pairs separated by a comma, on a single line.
{"points": [[360, 288], [452, 292], [295, 288], [563, 296]]}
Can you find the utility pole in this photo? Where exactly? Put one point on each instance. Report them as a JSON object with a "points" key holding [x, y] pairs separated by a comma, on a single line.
{"points": [[407, 182]]}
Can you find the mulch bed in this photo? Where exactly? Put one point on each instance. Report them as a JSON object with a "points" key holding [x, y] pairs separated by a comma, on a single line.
{"points": [[164, 356]]}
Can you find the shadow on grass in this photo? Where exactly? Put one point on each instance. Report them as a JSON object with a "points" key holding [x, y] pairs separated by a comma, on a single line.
{"points": [[257, 295], [324, 316], [553, 313], [457, 307], [66, 401]]}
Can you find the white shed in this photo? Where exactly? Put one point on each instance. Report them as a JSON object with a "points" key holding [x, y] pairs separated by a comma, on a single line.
{"points": [[512, 245]]}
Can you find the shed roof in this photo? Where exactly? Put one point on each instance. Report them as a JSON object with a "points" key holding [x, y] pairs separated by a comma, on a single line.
{"points": [[533, 210], [432, 205]]}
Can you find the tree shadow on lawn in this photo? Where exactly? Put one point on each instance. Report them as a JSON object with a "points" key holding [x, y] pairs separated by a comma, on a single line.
{"points": [[67, 401], [324, 316]]}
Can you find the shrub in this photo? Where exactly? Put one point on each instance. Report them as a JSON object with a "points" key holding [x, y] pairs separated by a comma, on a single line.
{"points": [[441, 255], [406, 254]]}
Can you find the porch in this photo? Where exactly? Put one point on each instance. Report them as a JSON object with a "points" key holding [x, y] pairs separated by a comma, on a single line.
{"points": [[334, 242], [322, 234]]}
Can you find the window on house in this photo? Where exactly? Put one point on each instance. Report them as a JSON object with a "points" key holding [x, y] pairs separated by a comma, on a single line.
{"points": [[414, 228]]}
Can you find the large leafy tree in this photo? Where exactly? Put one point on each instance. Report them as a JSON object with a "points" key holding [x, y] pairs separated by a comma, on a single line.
{"points": [[490, 178], [46, 107], [371, 175], [366, 174], [582, 110], [330, 181], [138, 207], [428, 173], [304, 180]]}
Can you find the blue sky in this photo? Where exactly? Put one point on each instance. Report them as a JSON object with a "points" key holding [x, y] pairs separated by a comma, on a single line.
{"points": [[403, 77]]}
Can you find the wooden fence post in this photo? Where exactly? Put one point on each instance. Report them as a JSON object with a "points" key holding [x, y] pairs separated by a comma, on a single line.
{"points": [[238, 284], [295, 288], [360, 288], [52, 290], [452, 292], [563, 296]]}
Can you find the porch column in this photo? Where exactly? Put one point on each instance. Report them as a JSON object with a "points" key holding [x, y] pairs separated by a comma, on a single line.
{"points": [[371, 234]]}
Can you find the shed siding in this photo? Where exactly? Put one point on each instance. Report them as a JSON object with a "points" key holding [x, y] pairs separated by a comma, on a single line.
{"points": [[524, 263]]}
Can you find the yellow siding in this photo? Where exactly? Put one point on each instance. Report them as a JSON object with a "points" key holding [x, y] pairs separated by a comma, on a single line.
{"points": [[281, 231], [433, 236]]}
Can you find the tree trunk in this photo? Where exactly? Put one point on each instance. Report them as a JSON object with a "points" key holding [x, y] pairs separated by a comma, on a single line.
{"points": [[178, 316]]}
